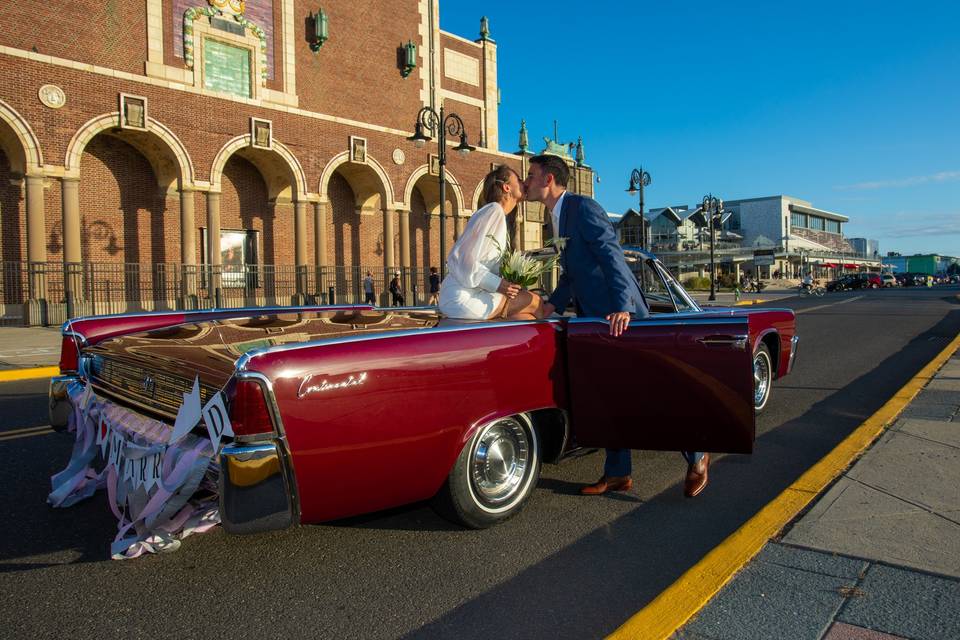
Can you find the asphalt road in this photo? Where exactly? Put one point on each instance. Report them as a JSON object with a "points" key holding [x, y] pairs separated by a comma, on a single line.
{"points": [[566, 567]]}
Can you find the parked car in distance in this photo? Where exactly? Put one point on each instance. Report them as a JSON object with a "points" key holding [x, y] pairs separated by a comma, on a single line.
{"points": [[889, 280], [843, 283], [870, 280]]}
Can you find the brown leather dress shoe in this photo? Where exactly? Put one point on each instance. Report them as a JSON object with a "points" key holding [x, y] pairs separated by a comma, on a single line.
{"points": [[604, 484], [697, 477]]}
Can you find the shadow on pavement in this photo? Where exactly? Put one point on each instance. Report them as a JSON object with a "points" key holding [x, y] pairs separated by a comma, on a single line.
{"points": [[608, 574]]}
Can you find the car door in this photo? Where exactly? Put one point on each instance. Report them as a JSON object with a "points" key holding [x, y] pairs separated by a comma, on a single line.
{"points": [[670, 382]]}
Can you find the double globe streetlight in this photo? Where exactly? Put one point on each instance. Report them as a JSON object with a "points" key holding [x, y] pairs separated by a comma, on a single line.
{"points": [[712, 208], [638, 180], [441, 125]]}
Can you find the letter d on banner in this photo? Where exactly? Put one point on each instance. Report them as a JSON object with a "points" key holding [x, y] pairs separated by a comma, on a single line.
{"points": [[217, 421]]}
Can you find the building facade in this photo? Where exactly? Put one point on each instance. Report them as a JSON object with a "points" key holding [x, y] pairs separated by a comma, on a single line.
{"points": [[764, 236], [191, 153]]}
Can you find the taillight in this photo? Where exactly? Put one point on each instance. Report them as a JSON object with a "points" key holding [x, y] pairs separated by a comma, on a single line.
{"points": [[69, 355], [249, 414]]}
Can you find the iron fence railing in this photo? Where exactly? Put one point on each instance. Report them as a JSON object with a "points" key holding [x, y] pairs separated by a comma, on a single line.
{"points": [[49, 293]]}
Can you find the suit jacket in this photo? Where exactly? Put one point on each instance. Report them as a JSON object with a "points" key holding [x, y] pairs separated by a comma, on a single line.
{"points": [[594, 271]]}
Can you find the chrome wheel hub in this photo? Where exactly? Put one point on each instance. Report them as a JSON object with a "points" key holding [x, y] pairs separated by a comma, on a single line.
{"points": [[761, 379], [499, 461]]}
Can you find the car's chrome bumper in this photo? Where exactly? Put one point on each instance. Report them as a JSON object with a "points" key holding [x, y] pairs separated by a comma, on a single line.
{"points": [[793, 352], [59, 401], [255, 493]]}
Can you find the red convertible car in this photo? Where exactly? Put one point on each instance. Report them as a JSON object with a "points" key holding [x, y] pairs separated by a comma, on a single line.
{"points": [[338, 411]]}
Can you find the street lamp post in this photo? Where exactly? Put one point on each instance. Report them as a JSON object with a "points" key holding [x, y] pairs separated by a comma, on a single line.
{"points": [[441, 124], [713, 208], [638, 180]]}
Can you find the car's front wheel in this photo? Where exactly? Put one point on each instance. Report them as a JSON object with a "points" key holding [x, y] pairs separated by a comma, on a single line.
{"points": [[494, 474], [762, 377]]}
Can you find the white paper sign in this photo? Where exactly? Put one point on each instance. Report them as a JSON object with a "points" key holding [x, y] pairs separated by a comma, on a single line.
{"points": [[154, 470], [189, 413], [103, 435], [116, 457], [217, 421]]}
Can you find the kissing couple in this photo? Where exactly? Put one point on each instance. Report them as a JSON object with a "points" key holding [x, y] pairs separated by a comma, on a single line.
{"points": [[594, 275]]}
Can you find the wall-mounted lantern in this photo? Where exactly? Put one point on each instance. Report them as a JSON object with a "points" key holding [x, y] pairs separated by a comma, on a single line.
{"points": [[318, 30], [409, 59]]}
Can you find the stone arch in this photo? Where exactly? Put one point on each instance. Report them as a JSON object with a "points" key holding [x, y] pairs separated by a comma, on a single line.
{"points": [[280, 169], [164, 151], [368, 181], [477, 195], [431, 193], [19, 142]]}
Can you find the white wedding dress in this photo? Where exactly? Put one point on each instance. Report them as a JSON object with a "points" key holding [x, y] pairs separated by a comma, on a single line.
{"points": [[473, 267]]}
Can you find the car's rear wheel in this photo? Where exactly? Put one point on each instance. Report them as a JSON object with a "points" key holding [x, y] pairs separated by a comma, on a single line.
{"points": [[494, 474], [762, 377]]}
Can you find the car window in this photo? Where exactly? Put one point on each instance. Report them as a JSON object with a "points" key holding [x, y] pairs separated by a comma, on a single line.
{"points": [[681, 299], [655, 289]]}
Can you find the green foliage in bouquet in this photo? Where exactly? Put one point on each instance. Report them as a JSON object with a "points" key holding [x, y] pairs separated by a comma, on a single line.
{"points": [[525, 269]]}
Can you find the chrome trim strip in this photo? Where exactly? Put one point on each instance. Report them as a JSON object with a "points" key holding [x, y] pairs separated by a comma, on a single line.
{"points": [[157, 314], [793, 352], [280, 436], [666, 319], [244, 360]]}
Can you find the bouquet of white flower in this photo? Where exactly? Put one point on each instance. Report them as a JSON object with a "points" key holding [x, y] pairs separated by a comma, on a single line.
{"points": [[525, 269]]}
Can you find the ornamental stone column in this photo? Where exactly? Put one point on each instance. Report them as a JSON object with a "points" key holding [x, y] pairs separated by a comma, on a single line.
{"points": [[300, 250], [405, 252], [35, 312], [188, 248], [320, 244], [213, 247], [457, 225], [72, 282], [389, 256]]}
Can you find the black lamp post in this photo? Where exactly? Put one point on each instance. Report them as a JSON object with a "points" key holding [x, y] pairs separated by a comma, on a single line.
{"points": [[638, 180], [441, 125], [712, 208]]}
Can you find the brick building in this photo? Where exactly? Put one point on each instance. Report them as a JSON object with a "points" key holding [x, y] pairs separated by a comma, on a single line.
{"points": [[185, 153]]}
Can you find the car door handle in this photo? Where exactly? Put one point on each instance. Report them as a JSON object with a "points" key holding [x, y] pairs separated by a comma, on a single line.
{"points": [[734, 342]]}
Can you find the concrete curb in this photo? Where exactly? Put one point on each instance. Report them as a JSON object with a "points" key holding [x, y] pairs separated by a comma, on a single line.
{"points": [[700, 583], [28, 374]]}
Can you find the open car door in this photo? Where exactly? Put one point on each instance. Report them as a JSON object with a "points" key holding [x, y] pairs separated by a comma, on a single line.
{"points": [[672, 382]]}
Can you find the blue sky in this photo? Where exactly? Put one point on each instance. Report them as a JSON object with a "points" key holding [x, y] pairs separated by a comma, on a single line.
{"points": [[853, 106]]}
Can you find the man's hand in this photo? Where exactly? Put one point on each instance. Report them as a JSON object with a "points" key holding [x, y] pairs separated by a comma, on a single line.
{"points": [[509, 289], [619, 322], [548, 309]]}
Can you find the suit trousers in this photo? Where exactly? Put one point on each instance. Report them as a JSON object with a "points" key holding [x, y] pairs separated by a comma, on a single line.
{"points": [[617, 463]]}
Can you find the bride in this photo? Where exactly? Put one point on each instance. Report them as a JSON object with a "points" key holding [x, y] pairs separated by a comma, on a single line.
{"points": [[473, 288]]}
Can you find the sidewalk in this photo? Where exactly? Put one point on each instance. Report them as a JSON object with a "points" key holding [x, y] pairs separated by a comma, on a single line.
{"points": [[28, 347], [876, 557]]}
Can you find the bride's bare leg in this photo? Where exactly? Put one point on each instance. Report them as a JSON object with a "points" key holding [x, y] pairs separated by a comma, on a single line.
{"points": [[526, 306]]}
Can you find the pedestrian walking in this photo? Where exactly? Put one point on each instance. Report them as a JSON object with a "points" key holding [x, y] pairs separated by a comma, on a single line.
{"points": [[396, 291], [434, 287], [369, 293]]}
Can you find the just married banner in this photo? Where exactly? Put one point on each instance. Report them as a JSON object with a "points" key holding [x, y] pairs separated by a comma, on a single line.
{"points": [[161, 483]]}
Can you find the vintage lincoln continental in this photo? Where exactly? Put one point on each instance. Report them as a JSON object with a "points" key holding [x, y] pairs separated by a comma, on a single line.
{"points": [[338, 411]]}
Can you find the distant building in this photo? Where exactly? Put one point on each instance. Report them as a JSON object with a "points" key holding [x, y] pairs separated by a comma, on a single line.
{"points": [[929, 263], [864, 247], [791, 234]]}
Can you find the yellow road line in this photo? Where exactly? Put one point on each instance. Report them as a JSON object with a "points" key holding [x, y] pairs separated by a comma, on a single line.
{"points": [[39, 432], [27, 374], [694, 589], [10, 432]]}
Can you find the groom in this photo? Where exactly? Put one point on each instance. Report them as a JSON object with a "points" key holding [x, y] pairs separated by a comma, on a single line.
{"points": [[596, 276]]}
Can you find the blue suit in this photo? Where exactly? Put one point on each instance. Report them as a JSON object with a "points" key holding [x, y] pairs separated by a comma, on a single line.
{"points": [[596, 276]]}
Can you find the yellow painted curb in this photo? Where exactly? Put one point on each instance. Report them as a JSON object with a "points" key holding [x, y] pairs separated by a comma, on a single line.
{"points": [[694, 589], [748, 302], [27, 374]]}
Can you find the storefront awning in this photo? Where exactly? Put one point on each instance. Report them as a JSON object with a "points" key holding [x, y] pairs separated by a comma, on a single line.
{"points": [[851, 266]]}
